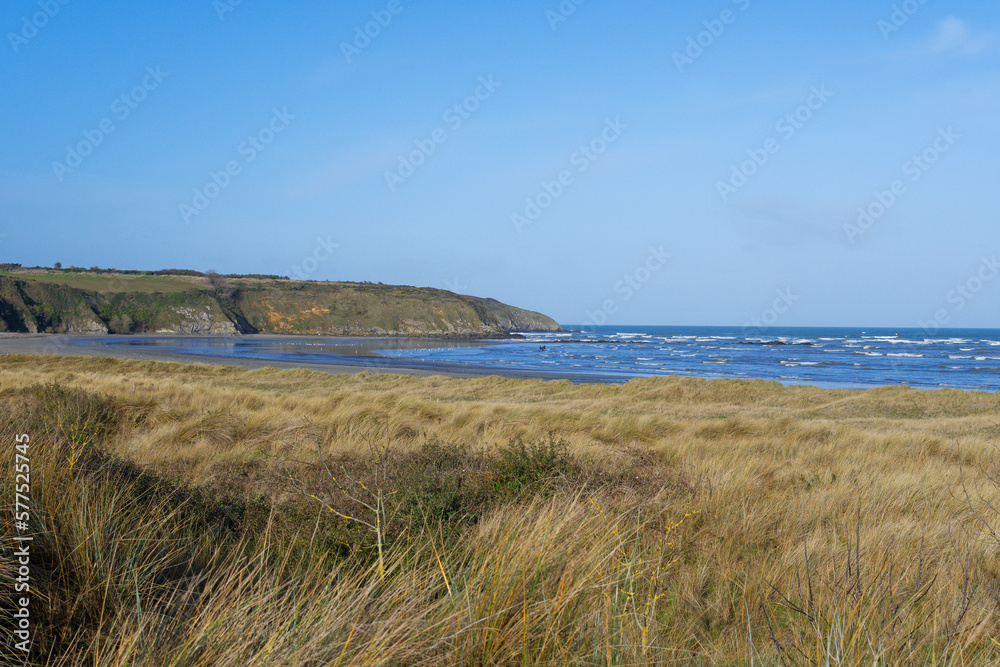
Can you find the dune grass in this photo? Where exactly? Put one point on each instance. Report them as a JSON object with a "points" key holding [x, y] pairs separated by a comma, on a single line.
{"points": [[218, 516]]}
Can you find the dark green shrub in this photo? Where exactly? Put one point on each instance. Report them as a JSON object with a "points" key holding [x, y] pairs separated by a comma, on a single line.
{"points": [[433, 487], [531, 466]]}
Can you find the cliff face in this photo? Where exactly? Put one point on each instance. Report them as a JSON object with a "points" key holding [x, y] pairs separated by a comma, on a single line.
{"points": [[518, 319], [364, 309], [31, 307], [272, 306]]}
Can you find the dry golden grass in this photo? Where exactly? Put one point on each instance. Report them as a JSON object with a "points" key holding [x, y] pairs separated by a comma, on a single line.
{"points": [[832, 527]]}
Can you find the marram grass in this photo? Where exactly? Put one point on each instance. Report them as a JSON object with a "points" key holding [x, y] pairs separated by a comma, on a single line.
{"points": [[666, 521]]}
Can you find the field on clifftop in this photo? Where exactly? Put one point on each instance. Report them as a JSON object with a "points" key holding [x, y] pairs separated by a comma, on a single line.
{"points": [[209, 515]]}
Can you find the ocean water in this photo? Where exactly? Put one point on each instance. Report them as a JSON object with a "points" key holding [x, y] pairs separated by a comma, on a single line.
{"points": [[959, 358]]}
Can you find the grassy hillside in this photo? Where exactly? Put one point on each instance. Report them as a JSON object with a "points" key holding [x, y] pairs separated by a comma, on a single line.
{"points": [[43, 300], [110, 281], [218, 516]]}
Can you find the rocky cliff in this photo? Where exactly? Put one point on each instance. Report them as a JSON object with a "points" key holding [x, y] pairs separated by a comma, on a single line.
{"points": [[40, 303]]}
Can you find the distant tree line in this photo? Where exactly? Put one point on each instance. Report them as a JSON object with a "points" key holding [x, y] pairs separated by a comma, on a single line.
{"points": [[135, 272]]}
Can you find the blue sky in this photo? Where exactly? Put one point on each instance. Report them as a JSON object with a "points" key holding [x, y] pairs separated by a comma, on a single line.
{"points": [[633, 162]]}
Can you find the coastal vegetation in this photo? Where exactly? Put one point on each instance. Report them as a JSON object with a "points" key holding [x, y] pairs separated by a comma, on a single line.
{"points": [[211, 515]]}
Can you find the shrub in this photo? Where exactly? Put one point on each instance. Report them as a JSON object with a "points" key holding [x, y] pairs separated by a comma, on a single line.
{"points": [[522, 466], [438, 486], [221, 286]]}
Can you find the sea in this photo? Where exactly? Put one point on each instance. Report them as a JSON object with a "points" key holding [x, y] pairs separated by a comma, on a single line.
{"points": [[826, 357]]}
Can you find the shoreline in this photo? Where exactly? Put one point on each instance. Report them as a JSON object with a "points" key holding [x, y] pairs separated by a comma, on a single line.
{"points": [[350, 362], [357, 356]]}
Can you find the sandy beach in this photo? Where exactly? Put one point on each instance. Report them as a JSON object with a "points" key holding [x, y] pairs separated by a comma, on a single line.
{"points": [[68, 345], [357, 354]]}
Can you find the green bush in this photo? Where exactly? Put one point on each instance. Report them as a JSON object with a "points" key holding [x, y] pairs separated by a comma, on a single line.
{"points": [[532, 466], [434, 487]]}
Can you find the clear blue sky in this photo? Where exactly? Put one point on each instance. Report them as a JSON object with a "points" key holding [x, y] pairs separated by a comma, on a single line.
{"points": [[199, 79]]}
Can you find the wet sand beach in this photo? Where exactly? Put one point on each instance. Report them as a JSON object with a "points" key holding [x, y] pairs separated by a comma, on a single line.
{"points": [[353, 355]]}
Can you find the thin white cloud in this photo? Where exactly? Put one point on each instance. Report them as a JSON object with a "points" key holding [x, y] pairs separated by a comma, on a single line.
{"points": [[953, 35]]}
